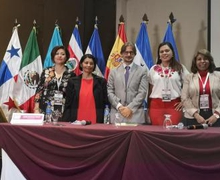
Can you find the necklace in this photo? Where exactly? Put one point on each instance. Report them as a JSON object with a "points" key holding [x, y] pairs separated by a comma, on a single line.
{"points": [[59, 73]]}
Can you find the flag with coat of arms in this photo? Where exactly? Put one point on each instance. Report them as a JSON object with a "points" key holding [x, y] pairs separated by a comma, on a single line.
{"points": [[114, 58], [144, 55], [75, 50], [29, 74]]}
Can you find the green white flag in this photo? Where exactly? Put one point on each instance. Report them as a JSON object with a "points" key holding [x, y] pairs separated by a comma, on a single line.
{"points": [[29, 74]]}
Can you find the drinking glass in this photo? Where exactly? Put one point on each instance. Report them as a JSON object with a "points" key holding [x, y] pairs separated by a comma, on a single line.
{"points": [[167, 124], [55, 116], [118, 118]]}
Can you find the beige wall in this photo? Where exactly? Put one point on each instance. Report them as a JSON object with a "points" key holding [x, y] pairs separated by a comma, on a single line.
{"points": [[190, 29]]}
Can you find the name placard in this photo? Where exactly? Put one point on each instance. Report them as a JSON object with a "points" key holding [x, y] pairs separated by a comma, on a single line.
{"points": [[27, 119]]}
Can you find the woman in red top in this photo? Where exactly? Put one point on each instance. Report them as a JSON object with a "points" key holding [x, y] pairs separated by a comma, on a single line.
{"points": [[86, 94]]}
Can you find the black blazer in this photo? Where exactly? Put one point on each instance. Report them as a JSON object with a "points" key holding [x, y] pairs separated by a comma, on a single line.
{"points": [[72, 98]]}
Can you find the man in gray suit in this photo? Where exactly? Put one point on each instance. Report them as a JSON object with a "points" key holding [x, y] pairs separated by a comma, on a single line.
{"points": [[128, 87]]}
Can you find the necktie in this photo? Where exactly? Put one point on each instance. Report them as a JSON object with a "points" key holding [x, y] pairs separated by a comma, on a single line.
{"points": [[126, 74]]}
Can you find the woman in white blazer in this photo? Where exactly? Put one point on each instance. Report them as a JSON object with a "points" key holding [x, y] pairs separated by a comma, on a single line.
{"points": [[201, 91]]}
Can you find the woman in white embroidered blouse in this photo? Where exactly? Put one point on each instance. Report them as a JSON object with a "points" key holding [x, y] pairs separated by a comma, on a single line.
{"points": [[166, 80]]}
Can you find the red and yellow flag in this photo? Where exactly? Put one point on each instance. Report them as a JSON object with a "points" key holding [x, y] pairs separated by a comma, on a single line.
{"points": [[114, 58]]}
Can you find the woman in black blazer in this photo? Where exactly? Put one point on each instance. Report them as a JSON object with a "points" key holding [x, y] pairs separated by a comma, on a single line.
{"points": [[86, 94]]}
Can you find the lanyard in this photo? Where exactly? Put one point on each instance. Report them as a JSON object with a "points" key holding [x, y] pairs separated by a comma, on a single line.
{"points": [[59, 81], [204, 84], [166, 76]]}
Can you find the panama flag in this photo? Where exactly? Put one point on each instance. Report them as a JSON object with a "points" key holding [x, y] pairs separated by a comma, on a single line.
{"points": [[114, 58], [55, 41], [170, 38], [9, 74], [144, 56], [95, 48], [75, 50], [29, 75]]}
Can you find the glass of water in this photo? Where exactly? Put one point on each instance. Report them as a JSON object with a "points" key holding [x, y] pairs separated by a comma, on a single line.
{"points": [[56, 114], [118, 118]]}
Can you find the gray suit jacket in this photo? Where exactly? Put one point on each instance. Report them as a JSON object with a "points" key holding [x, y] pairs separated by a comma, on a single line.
{"points": [[133, 95], [190, 93]]}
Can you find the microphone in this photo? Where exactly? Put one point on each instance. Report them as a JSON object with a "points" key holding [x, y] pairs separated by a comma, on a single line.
{"points": [[178, 126], [198, 126], [81, 123]]}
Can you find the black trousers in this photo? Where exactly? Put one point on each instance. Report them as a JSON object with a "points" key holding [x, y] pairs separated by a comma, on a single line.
{"points": [[205, 114]]}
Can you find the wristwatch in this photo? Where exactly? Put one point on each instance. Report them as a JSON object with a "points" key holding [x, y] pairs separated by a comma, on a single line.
{"points": [[216, 115]]}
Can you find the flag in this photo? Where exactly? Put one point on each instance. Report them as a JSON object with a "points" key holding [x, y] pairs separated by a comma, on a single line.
{"points": [[144, 56], [75, 50], [55, 41], [95, 48], [29, 74], [170, 38], [114, 58], [9, 74]]}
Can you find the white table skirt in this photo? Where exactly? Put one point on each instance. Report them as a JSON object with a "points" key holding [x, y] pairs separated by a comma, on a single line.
{"points": [[9, 169]]}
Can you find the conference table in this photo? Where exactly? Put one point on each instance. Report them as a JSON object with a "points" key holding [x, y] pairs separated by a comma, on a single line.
{"points": [[107, 152]]}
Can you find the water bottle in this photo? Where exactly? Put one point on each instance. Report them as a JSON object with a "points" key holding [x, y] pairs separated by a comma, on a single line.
{"points": [[167, 123], [48, 115], [106, 115]]}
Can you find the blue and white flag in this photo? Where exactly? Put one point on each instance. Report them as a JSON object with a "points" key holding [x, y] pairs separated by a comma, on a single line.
{"points": [[95, 48], [144, 56], [9, 74], [170, 38], [55, 41]]}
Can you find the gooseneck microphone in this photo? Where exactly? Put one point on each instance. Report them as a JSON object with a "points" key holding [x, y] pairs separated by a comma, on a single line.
{"points": [[198, 126]]}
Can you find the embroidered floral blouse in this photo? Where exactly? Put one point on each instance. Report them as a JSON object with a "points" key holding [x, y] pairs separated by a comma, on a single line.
{"points": [[166, 78], [48, 86]]}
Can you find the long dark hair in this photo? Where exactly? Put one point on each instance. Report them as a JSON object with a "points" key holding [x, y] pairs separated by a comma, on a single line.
{"points": [[174, 64], [207, 55]]}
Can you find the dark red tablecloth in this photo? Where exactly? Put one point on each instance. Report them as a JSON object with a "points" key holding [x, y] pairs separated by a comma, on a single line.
{"points": [[105, 152]]}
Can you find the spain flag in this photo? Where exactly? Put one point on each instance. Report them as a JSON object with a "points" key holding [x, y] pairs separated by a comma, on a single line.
{"points": [[114, 58]]}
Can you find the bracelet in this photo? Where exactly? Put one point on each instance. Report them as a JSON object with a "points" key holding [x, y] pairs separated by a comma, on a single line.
{"points": [[216, 115], [216, 112]]}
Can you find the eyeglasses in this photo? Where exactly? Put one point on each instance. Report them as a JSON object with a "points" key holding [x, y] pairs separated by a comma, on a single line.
{"points": [[129, 52], [200, 59]]}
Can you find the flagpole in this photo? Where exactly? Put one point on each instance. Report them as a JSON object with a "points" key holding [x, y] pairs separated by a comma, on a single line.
{"points": [[35, 26], [145, 19], [17, 106], [57, 26], [77, 22], [121, 21], [96, 22], [169, 37], [2, 115], [171, 19], [16, 25]]}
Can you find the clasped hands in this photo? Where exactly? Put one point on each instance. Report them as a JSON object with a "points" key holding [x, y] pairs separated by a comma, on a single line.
{"points": [[125, 111], [210, 121]]}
